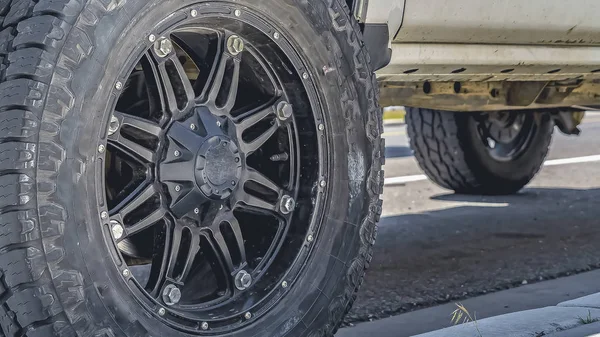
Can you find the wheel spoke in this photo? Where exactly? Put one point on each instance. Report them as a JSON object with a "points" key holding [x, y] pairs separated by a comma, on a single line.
{"points": [[145, 223], [222, 249], [222, 92], [133, 202], [243, 199], [249, 119], [178, 269], [178, 93], [136, 149], [137, 123], [257, 177], [250, 147]]}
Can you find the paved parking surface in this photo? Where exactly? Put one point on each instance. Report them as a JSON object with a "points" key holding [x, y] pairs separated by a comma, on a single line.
{"points": [[437, 247]]}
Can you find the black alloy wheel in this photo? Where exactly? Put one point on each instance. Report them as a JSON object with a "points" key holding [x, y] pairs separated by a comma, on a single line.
{"points": [[505, 134], [203, 173]]}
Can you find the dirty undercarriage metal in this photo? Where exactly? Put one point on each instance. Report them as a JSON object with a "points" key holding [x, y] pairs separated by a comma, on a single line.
{"points": [[491, 96]]}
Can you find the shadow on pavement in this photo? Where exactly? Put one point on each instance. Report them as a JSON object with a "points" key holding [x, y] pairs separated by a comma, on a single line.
{"points": [[474, 244], [398, 151]]}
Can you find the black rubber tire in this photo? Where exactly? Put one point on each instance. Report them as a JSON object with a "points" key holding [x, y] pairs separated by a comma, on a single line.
{"points": [[60, 60], [447, 148]]}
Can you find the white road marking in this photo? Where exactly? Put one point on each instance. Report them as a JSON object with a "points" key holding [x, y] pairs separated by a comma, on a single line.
{"points": [[576, 160], [404, 179], [555, 162]]}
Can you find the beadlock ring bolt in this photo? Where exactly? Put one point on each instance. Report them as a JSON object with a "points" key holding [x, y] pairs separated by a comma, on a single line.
{"points": [[163, 47], [248, 315], [284, 111], [287, 205], [171, 295], [162, 311], [243, 280], [204, 326], [235, 45]]}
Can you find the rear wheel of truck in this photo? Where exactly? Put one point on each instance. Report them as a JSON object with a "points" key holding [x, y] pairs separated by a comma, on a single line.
{"points": [[184, 168], [485, 153]]}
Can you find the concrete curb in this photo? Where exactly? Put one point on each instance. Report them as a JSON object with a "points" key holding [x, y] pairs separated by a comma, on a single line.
{"points": [[537, 322], [530, 310]]}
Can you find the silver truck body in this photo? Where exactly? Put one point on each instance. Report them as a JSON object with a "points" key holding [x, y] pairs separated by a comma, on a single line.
{"points": [[483, 44]]}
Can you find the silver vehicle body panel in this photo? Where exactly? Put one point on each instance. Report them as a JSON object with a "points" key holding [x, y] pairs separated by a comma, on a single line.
{"points": [[542, 22], [442, 40]]}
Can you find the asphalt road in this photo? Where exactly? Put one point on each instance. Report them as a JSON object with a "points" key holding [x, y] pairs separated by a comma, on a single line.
{"points": [[436, 247]]}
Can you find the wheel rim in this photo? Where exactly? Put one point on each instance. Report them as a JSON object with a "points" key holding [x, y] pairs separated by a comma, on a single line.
{"points": [[193, 167], [505, 134]]}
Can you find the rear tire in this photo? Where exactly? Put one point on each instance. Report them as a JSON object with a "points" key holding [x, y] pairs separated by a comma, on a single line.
{"points": [[64, 63], [454, 152]]}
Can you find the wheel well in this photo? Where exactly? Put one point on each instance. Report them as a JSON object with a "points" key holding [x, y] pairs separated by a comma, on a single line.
{"points": [[358, 9]]}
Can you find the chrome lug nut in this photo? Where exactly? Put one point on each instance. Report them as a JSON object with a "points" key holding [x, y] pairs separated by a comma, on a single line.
{"points": [[163, 47], [113, 126], [243, 280], [177, 188], [235, 45], [171, 295], [287, 205], [284, 110], [117, 229]]}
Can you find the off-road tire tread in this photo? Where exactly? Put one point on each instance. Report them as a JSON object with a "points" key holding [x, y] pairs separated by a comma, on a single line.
{"points": [[31, 35], [442, 153]]}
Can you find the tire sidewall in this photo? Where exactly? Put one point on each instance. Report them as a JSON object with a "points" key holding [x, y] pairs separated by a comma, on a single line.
{"points": [[106, 34]]}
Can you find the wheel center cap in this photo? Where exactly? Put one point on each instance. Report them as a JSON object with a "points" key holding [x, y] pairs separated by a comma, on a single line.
{"points": [[202, 162], [218, 167]]}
